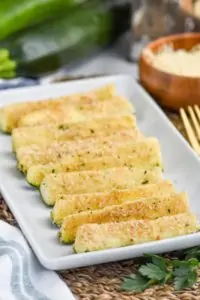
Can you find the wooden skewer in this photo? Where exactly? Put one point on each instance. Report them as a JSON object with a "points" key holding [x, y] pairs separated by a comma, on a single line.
{"points": [[190, 132]]}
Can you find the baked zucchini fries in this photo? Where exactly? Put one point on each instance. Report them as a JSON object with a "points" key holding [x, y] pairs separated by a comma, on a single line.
{"points": [[138, 155], [71, 113], [149, 208], [75, 150], [73, 204], [94, 237], [55, 185], [11, 114], [44, 134]]}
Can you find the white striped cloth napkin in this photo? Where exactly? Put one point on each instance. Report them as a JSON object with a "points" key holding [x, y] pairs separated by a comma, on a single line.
{"points": [[21, 275]]}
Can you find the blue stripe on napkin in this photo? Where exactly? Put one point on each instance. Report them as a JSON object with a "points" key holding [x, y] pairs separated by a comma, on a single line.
{"points": [[18, 82], [20, 279]]}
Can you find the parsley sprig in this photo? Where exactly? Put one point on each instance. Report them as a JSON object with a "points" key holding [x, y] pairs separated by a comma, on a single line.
{"points": [[182, 273]]}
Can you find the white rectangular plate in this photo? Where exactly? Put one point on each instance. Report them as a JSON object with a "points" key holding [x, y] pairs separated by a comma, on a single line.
{"points": [[182, 166]]}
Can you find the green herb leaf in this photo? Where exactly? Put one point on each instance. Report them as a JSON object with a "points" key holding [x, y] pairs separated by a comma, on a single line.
{"points": [[185, 273], [181, 268], [193, 262], [159, 261], [181, 271], [160, 270], [181, 282], [135, 282], [152, 271], [192, 253], [192, 279]]}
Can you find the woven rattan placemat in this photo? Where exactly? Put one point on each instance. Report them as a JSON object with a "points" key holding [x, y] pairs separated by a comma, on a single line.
{"points": [[102, 281]]}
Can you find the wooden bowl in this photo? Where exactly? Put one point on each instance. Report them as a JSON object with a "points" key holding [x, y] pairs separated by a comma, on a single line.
{"points": [[171, 91]]}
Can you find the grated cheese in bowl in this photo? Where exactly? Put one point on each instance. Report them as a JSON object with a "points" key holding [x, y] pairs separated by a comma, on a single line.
{"points": [[178, 62]]}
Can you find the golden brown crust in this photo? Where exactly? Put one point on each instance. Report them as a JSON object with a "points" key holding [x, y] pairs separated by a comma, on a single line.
{"points": [[105, 180], [44, 134], [149, 208], [72, 113], [141, 154], [93, 237], [72, 204], [73, 151], [11, 115]]}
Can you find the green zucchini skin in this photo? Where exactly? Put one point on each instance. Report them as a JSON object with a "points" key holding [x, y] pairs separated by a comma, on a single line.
{"points": [[51, 45], [16, 15]]}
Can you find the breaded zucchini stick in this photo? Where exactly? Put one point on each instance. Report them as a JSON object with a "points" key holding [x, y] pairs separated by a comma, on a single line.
{"points": [[94, 237], [71, 113], [148, 208], [43, 135], [73, 204], [37, 173], [12, 113], [73, 150], [138, 155], [105, 180]]}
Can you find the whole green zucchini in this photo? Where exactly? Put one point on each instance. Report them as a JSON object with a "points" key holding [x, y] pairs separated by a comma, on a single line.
{"points": [[19, 14], [53, 44], [50, 45]]}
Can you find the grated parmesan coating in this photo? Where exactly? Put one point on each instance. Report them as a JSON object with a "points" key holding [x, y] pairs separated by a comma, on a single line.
{"points": [[72, 113], [11, 114], [57, 152], [151, 208], [105, 180], [94, 237], [72, 204], [133, 154], [43, 135]]}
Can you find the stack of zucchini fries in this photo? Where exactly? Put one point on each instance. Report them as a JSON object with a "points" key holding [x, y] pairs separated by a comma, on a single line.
{"points": [[101, 175]]}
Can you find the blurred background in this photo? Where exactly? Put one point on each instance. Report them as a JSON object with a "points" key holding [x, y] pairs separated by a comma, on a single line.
{"points": [[41, 38]]}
